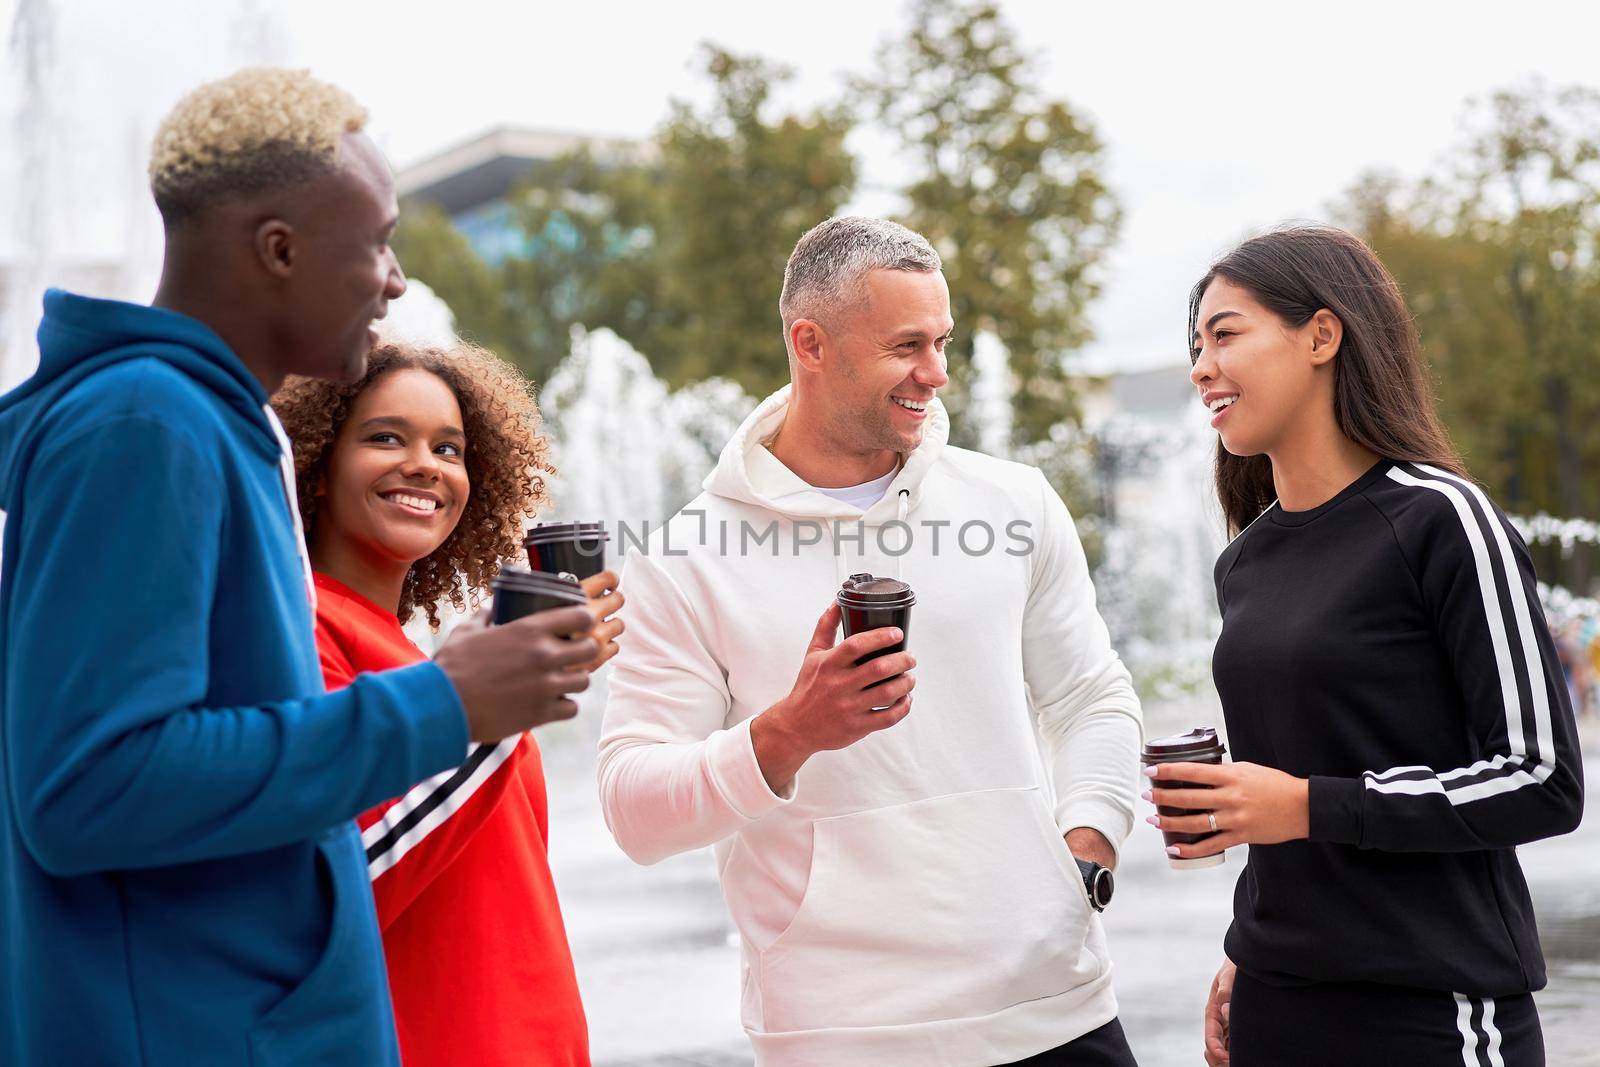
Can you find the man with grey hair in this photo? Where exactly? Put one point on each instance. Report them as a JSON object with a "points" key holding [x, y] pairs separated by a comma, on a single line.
{"points": [[903, 882]]}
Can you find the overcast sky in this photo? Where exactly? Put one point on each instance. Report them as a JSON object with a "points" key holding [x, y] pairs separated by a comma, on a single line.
{"points": [[1219, 118]]}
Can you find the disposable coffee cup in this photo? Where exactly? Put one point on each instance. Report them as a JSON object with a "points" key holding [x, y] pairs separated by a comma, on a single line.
{"points": [[870, 603], [575, 548], [518, 592], [1199, 745]]}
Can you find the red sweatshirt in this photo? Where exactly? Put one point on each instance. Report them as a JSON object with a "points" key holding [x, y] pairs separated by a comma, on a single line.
{"points": [[479, 966]]}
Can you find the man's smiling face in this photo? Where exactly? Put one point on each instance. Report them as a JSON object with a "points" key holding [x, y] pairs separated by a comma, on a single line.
{"points": [[889, 360]]}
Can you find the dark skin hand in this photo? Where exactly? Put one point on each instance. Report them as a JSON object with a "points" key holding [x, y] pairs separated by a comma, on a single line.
{"points": [[521, 675], [549, 657]]}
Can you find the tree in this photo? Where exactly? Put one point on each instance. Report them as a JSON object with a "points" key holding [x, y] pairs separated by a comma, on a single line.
{"points": [[737, 190], [431, 248], [588, 253], [1500, 261], [1010, 191], [681, 253]]}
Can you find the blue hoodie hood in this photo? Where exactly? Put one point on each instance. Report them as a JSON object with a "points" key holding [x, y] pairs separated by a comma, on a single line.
{"points": [[82, 335]]}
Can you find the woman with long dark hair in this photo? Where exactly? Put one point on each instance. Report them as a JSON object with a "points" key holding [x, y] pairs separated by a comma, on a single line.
{"points": [[1392, 695]]}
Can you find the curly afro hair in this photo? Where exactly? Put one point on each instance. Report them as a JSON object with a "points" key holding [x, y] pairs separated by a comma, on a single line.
{"points": [[507, 460]]}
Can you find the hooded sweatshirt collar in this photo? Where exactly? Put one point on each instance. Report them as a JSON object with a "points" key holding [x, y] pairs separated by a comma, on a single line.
{"points": [[82, 332], [81, 335], [750, 474]]}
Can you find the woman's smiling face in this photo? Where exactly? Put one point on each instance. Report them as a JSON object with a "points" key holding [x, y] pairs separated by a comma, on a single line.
{"points": [[1254, 372], [396, 481]]}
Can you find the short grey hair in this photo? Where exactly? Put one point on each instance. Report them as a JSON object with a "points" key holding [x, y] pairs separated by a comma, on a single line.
{"points": [[824, 274]]}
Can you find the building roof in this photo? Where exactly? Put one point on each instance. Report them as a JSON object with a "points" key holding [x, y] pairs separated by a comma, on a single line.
{"points": [[484, 168]]}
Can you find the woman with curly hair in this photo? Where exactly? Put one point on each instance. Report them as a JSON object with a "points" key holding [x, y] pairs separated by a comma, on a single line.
{"points": [[414, 483]]}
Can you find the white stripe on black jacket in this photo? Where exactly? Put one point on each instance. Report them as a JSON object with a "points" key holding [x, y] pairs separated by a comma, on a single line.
{"points": [[1389, 645]]}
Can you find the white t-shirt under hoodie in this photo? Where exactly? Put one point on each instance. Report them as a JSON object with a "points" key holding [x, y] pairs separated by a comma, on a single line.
{"points": [[860, 497], [911, 900]]}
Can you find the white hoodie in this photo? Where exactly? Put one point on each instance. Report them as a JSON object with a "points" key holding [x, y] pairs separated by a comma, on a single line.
{"points": [[911, 901]]}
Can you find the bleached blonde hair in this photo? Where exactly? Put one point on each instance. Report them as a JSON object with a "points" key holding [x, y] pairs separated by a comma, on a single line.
{"points": [[262, 128]]}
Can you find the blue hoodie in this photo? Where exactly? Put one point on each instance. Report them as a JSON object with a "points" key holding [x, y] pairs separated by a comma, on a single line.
{"points": [[180, 878]]}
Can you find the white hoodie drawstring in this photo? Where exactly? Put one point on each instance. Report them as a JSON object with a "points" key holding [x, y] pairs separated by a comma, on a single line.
{"points": [[903, 511]]}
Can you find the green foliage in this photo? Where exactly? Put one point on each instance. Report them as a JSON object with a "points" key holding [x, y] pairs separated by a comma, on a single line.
{"points": [[681, 252], [1010, 191], [736, 192], [589, 256], [1500, 263], [429, 246]]}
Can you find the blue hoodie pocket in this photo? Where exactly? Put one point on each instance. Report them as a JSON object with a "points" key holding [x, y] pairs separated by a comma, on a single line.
{"points": [[330, 1017]]}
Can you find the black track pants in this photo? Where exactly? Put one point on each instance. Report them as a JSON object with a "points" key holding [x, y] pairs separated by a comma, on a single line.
{"points": [[1355, 1024], [1102, 1047]]}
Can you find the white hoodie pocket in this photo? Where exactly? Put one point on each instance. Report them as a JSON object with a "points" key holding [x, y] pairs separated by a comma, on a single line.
{"points": [[953, 907]]}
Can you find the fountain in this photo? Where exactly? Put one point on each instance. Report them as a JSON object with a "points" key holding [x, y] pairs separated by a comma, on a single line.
{"points": [[419, 317], [78, 209], [993, 384], [1150, 469], [31, 181], [1160, 539], [629, 450]]}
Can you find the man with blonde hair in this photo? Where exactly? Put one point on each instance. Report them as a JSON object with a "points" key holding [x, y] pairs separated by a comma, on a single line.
{"points": [[180, 878]]}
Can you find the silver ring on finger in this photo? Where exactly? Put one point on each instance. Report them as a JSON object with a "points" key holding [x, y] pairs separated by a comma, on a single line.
{"points": [[1211, 816]]}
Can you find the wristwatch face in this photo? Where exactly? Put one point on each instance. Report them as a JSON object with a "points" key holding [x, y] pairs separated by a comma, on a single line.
{"points": [[1101, 887]]}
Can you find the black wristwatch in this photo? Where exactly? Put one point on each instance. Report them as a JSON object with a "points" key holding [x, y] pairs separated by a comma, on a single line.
{"points": [[1097, 882]]}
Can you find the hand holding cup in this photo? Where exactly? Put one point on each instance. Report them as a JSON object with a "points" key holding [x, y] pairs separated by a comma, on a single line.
{"points": [[833, 702], [522, 674], [605, 600], [574, 548], [1246, 804]]}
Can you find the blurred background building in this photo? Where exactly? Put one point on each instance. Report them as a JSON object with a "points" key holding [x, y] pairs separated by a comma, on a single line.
{"points": [[472, 182]]}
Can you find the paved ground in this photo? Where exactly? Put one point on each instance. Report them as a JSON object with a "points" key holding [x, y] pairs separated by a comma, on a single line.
{"points": [[659, 969]]}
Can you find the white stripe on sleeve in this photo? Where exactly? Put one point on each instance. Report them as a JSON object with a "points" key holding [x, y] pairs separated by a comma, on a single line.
{"points": [[1544, 731], [1508, 772], [444, 799]]}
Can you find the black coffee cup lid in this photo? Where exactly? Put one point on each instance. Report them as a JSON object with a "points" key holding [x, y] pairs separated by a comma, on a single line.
{"points": [[1200, 739], [538, 582], [869, 589], [565, 531]]}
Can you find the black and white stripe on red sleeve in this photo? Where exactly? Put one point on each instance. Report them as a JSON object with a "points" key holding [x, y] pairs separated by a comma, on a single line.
{"points": [[427, 805]]}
